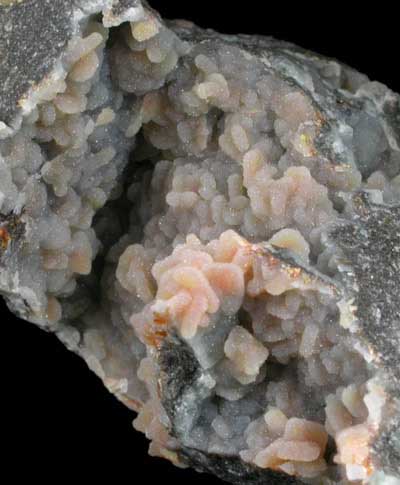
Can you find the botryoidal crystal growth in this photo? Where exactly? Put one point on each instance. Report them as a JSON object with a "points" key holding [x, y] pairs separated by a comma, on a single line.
{"points": [[213, 223]]}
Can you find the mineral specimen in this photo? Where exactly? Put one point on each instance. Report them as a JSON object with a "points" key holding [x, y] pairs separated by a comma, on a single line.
{"points": [[213, 224]]}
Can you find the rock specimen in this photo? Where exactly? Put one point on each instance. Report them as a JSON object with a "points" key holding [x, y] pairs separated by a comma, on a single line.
{"points": [[213, 224]]}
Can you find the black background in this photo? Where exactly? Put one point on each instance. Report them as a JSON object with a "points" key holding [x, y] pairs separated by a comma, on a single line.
{"points": [[58, 421]]}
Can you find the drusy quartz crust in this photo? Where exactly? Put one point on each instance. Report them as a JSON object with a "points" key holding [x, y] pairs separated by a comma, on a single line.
{"points": [[213, 223]]}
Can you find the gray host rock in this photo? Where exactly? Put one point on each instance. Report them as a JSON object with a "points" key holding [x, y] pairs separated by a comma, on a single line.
{"points": [[213, 223]]}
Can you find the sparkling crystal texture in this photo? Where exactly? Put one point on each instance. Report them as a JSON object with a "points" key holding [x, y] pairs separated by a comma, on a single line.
{"points": [[213, 223]]}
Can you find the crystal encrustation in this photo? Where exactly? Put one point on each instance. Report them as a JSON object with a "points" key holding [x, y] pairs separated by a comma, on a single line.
{"points": [[213, 223]]}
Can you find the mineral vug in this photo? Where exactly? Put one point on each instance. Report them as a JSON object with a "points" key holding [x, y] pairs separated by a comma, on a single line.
{"points": [[213, 223]]}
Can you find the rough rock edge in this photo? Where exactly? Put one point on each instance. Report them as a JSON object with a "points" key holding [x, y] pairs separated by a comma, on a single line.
{"points": [[27, 62], [370, 244], [67, 15], [183, 387]]}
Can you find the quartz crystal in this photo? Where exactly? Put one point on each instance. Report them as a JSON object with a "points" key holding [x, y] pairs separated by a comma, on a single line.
{"points": [[213, 223]]}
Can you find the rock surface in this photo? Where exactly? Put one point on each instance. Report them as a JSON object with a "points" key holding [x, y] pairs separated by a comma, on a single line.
{"points": [[213, 223]]}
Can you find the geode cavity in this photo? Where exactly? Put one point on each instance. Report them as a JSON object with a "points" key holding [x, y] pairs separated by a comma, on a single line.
{"points": [[213, 223]]}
